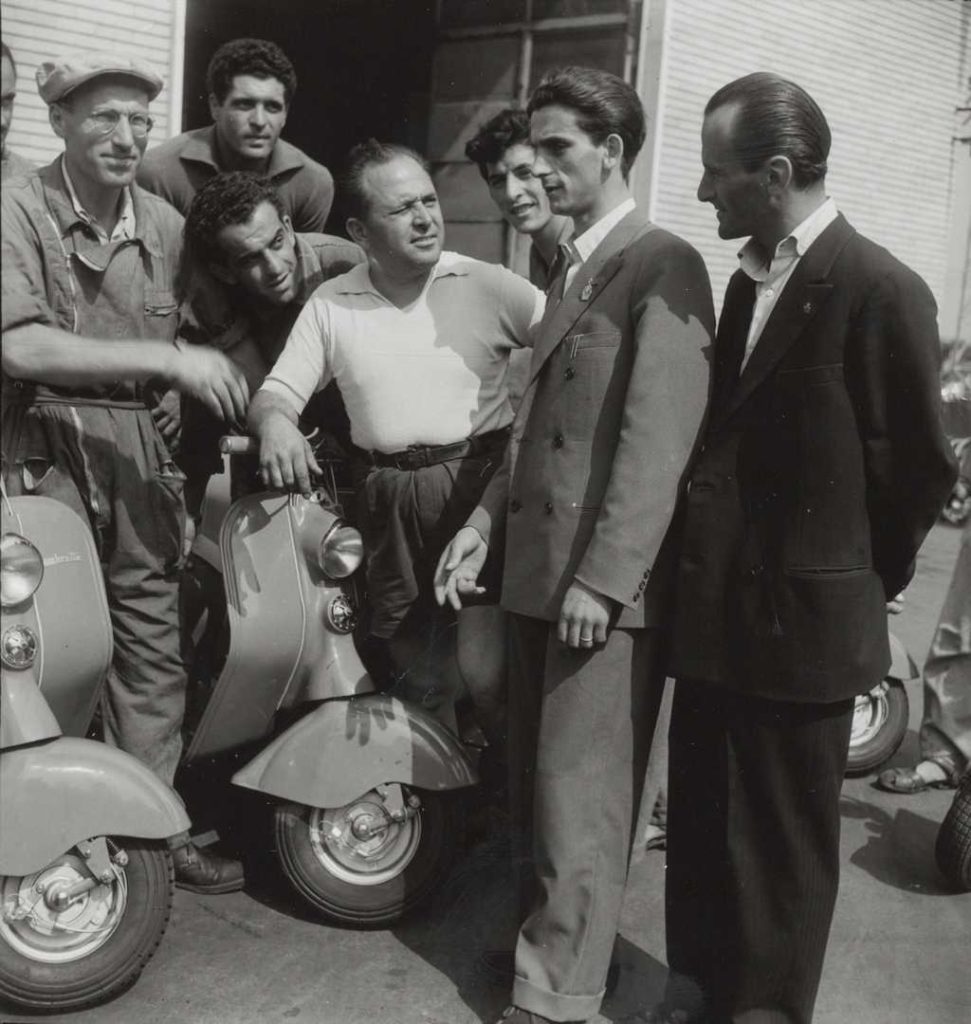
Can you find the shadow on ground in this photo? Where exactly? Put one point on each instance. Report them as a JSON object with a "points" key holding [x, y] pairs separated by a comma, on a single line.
{"points": [[899, 847]]}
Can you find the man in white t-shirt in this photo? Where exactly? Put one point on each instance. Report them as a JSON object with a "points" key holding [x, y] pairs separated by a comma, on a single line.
{"points": [[418, 341]]}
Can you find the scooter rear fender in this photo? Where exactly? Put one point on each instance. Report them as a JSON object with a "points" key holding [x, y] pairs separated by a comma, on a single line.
{"points": [[53, 795], [902, 665], [346, 747]]}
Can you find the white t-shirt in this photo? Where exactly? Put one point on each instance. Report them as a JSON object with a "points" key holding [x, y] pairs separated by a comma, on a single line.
{"points": [[431, 373]]}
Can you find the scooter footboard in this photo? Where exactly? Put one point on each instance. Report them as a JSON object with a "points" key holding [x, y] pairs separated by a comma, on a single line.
{"points": [[55, 795], [346, 747]]}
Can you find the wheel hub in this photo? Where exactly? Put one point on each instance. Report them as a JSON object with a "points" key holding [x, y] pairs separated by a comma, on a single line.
{"points": [[362, 843], [61, 913], [870, 714]]}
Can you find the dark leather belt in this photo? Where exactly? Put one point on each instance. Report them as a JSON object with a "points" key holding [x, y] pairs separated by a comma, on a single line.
{"points": [[418, 455]]}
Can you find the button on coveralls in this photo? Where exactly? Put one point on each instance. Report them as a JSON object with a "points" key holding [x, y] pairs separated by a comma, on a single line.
{"points": [[97, 448]]}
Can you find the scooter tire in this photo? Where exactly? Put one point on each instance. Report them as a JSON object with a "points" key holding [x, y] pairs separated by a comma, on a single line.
{"points": [[953, 847], [365, 892], [878, 728], [40, 982]]}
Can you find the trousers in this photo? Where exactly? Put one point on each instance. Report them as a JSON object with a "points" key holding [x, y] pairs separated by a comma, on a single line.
{"points": [[945, 731], [753, 852], [580, 725], [110, 465]]}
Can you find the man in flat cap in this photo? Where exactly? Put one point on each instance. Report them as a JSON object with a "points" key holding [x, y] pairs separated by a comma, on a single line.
{"points": [[91, 364]]}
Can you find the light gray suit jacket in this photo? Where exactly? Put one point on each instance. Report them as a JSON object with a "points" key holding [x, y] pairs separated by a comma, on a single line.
{"points": [[613, 409]]}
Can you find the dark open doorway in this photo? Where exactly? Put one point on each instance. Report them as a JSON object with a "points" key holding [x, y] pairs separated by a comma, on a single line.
{"points": [[363, 68]]}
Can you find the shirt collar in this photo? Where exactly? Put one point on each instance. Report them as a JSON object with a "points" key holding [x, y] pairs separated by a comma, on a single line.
{"points": [[583, 245], [357, 281], [125, 228], [201, 147], [752, 256]]}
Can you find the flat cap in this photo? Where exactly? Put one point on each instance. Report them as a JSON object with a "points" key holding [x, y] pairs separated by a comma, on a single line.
{"points": [[56, 78]]}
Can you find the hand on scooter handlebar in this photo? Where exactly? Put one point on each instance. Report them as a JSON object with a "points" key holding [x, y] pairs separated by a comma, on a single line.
{"points": [[459, 567], [286, 457], [896, 606]]}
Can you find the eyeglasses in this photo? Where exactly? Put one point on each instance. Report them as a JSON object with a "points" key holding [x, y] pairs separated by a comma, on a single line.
{"points": [[107, 121]]}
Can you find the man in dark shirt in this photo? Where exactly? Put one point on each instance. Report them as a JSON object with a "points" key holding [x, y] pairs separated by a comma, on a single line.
{"points": [[251, 84]]}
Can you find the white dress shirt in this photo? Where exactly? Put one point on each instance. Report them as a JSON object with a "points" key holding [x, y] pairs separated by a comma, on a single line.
{"points": [[770, 276], [583, 245]]}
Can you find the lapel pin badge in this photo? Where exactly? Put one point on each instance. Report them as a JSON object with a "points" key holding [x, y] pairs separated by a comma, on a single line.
{"points": [[807, 307], [587, 291]]}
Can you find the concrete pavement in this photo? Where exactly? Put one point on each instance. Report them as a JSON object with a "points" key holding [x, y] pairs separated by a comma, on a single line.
{"points": [[900, 951]]}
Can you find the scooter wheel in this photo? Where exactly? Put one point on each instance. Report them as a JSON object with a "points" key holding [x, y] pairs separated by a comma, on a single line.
{"points": [[55, 957], [953, 847], [354, 865], [879, 726]]}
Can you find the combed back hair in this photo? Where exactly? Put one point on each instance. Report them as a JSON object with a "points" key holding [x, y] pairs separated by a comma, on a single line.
{"points": [[257, 57], [509, 127], [776, 117], [224, 201], [604, 105], [354, 192], [5, 52]]}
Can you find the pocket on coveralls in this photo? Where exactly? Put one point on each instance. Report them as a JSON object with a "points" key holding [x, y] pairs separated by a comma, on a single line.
{"points": [[169, 496]]}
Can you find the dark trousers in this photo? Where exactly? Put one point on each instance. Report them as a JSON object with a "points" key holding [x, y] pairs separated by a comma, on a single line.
{"points": [[580, 728], [753, 851]]}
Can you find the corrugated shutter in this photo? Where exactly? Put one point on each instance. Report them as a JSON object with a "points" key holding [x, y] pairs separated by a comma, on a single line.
{"points": [[37, 30], [885, 72]]}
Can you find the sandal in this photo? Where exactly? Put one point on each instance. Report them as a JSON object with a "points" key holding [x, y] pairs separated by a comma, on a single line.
{"points": [[909, 780]]}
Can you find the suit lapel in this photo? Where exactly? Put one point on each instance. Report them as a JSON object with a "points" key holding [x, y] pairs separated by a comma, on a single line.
{"points": [[802, 297], [588, 282]]}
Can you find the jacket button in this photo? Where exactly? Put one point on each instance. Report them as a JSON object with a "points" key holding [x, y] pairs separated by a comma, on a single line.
{"points": [[549, 508], [515, 505], [569, 373], [557, 440]]}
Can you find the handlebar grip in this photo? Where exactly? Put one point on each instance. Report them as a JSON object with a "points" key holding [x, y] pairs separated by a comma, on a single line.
{"points": [[234, 444]]}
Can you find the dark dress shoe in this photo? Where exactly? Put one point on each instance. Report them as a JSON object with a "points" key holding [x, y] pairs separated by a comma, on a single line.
{"points": [[499, 965], [208, 873]]}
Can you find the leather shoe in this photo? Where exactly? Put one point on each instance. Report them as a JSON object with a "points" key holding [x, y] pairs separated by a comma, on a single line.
{"points": [[516, 1015], [207, 873], [499, 966], [910, 780]]}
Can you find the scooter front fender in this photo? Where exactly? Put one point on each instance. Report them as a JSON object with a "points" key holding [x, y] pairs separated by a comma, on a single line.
{"points": [[55, 794], [346, 747]]}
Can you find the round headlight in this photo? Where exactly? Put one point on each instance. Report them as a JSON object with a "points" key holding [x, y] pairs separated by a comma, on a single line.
{"points": [[21, 569], [341, 552]]}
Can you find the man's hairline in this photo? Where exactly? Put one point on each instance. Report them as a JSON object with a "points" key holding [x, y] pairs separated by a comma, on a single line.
{"points": [[253, 74], [265, 201]]}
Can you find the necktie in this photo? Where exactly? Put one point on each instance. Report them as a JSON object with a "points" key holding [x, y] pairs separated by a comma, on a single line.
{"points": [[564, 259]]}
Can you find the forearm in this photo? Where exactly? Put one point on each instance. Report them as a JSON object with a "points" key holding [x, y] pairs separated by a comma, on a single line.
{"points": [[51, 356], [267, 406]]}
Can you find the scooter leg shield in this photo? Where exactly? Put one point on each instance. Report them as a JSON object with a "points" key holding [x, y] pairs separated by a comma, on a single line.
{"points": [[54, 795], [346, 747]]}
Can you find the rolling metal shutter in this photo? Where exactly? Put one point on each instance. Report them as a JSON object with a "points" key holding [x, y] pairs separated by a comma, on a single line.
{"points": [[37, 30], [887, 74]]}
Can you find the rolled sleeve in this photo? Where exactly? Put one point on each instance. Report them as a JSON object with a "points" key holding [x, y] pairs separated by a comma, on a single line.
{"points": [[304, 365]]}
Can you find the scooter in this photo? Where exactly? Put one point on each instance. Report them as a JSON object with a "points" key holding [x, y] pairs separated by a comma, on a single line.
{"points": [[86, 877], [364, 822], [880, 717]]}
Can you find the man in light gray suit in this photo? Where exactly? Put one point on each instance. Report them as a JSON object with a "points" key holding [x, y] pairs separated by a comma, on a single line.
{"points": [[587, 495]]}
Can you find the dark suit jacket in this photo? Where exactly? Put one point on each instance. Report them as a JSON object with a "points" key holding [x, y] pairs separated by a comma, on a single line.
{"points": [[824, 466], [612, 411]]}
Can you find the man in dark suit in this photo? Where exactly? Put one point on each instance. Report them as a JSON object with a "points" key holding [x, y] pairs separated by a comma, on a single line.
{"points": [[823, 467], [593, 475]]}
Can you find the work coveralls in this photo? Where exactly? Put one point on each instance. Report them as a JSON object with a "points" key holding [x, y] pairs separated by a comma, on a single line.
{"points": [[96, 448]]}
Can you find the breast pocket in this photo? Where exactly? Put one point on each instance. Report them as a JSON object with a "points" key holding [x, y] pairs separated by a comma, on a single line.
{"points": [[590, 364], [161, 314]]}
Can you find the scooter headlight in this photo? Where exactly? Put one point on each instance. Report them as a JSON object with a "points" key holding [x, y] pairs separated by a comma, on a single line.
{"points": [[21, 569], [341, 552]]}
